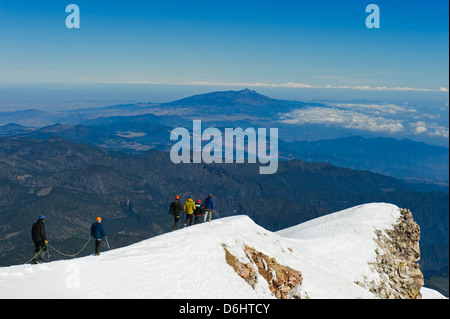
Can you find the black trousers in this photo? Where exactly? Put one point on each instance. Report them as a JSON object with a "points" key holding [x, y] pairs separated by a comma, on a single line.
{"points": [[38, 245], [188, 221], [97, 246], [175, 223]]}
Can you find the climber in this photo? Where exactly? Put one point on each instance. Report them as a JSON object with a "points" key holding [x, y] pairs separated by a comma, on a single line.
{"points": [[98, 232], [39, 238], [198, 211], [188, 209], [209, 207], [176, 209]]}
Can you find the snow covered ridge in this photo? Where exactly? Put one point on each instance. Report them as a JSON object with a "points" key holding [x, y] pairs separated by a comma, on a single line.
{"points": [[335, 256], [375, 246]]}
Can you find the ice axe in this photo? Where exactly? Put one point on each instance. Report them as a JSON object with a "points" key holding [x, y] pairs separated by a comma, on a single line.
{"points": [[107, 244]]}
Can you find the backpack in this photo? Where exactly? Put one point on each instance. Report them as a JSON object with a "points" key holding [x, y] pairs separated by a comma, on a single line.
{"points": [[198, 210]]}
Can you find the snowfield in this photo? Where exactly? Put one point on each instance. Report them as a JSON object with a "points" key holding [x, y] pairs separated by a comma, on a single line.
{"points": [[332, 253]]}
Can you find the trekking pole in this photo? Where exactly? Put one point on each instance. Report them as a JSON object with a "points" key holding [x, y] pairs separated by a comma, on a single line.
{"points": [[106, 238]]}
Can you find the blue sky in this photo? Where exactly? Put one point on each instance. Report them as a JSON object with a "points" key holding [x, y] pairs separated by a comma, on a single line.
{"points": [[315, 44]]}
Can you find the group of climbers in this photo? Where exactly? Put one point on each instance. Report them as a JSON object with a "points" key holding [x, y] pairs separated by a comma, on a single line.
{"points": [[39, 237], [191, 210]]}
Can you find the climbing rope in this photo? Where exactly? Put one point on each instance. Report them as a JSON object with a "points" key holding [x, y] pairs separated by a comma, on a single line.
{"points": [[63, 254], [37, 254], [71, 256]]}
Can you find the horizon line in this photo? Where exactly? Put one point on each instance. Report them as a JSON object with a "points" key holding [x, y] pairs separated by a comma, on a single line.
{"points": [[294, 85]]}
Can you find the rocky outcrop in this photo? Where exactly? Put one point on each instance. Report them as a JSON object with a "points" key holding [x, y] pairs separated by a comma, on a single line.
{"points": [[245, 270], [394, 273], [399, 276], [283, 281]]}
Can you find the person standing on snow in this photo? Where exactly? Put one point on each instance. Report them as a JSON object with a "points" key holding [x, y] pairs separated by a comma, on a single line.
{"points": [[98, 232], [188, 209], [176, 209], [209, 207], [39, 237], [198, 211]]}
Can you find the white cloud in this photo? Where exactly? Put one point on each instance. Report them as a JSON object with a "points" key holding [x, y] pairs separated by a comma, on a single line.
{"points": [[431, 116], [343, 118], [293, 85], [385, 88], [419, 127], [377, 109], [431, 129], [360, 119], [309, 86], [251, 84]]}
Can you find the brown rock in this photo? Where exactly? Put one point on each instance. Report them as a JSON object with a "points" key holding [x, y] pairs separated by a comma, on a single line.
{"points": [[281, 279]]}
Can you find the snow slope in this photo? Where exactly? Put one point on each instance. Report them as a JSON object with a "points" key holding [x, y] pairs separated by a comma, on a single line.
{"points": [[331, 252], [340, 245]]}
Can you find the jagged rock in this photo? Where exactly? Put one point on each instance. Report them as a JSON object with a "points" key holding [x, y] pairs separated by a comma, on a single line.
{"points": [[246, 271], [282, 280], [396, 262]]}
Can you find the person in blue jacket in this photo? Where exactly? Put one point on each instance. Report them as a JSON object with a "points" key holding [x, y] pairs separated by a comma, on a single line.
{"points": [[208, 206], [98, 232]]}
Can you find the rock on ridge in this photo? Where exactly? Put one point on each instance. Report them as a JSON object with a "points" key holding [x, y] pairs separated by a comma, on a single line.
{"points": [[399, 275], [283, 281]]}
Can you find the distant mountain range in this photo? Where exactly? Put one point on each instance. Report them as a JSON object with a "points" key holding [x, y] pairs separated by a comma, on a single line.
{"points": [[136, 128], [399, 158]]}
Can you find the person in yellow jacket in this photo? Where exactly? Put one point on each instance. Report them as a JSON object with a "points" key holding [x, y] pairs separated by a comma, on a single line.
{"points": [[188, 209]]}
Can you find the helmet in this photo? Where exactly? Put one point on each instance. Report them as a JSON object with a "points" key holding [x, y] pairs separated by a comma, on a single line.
{"points": [[190, 196], [199, 201], [210, 195], [42, 217], [177, 197], [99, 219]]}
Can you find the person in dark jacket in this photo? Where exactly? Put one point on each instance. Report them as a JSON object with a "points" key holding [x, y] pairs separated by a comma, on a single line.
{"points": [[98, 232], [175, 208], [198, 211], [39, 237], [209, 207]]}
